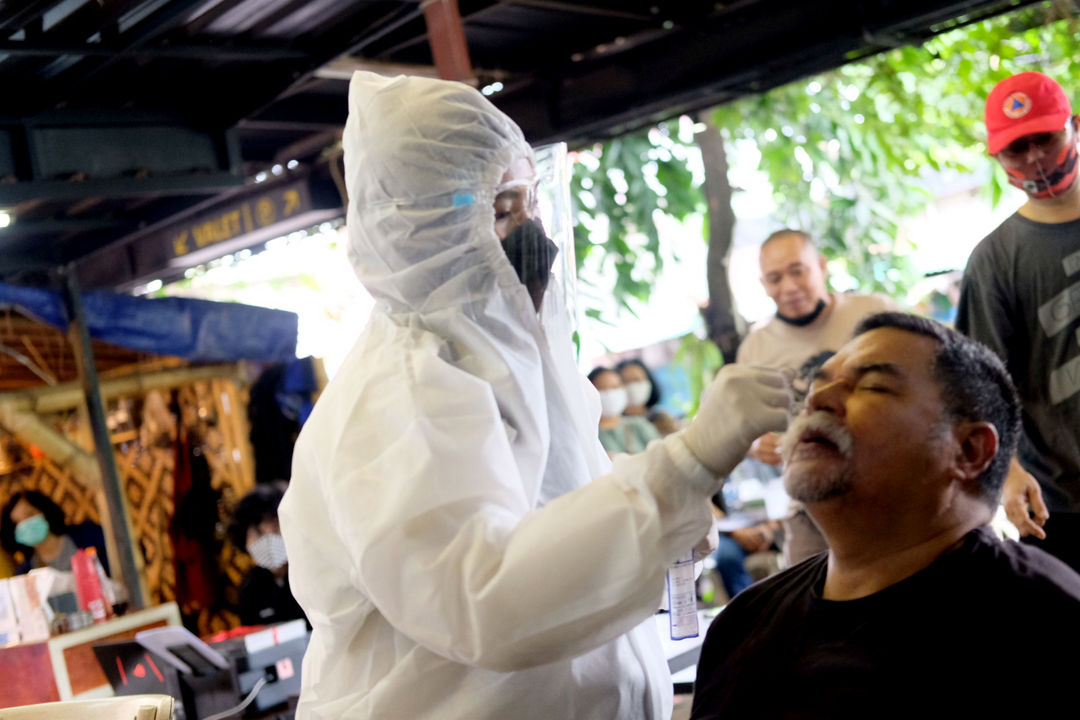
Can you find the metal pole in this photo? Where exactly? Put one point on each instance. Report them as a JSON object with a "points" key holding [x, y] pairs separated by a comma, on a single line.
{"points": [[115, 497]]}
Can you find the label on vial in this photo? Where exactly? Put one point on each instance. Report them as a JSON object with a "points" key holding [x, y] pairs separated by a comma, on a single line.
{"points": [[682, 599]]}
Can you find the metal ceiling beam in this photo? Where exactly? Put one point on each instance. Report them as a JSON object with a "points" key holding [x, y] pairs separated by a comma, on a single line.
{"points": [[59, 157], [380, 29], [276, 16], [319, 111], [585, 9], [287, 125], [192, 184], [89, 19], [60, 226], [150, 28], [308, 146], [208, 18], [417, 39], [27, 261], [16, 15], [19, 48], [281, 85]]}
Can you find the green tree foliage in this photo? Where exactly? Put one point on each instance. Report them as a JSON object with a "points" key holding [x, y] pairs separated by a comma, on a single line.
{"points": [[700, 359], [847, 151], [619, 187]]}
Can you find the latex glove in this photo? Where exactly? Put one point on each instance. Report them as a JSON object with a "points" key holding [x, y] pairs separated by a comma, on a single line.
{"points": [[708, 544], [767, 449], [1021, 492], [743, 403]]}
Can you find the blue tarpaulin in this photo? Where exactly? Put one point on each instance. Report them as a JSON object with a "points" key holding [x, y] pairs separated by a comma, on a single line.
{"points": [[197, 330]]}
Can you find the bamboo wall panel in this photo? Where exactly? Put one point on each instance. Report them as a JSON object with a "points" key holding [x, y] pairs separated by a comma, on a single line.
{"points": [[214, 412]]}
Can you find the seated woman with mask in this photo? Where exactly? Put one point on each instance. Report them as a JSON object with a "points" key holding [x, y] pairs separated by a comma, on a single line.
{"points": [[33, 528], [619, 433], [643, 396], [265, 596]]}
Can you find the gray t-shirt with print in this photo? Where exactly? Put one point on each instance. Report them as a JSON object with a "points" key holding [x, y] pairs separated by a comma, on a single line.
{"points": [[1021, 297]]}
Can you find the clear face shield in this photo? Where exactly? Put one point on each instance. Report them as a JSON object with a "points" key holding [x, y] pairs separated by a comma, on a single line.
{"points": [[534, 222]]}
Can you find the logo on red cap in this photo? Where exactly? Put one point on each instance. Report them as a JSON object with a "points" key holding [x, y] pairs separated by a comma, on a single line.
{"points": [[1024, 104], [1017, 105]]}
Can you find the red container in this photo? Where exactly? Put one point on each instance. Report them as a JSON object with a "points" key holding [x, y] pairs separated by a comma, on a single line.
{"points": [[87, 585]]}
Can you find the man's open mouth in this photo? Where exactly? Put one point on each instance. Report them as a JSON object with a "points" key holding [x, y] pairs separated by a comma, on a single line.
{"points": [[811, 439]]}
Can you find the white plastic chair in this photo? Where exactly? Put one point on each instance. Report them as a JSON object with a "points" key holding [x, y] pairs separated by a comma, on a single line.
{"points": [[123, 707]]}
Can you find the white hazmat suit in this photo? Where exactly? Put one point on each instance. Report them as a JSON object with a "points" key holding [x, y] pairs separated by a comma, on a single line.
{"points": [[457, 536]]}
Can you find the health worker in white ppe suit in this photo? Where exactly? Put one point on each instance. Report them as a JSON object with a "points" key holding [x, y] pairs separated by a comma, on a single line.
{"points": [[458, 539]]}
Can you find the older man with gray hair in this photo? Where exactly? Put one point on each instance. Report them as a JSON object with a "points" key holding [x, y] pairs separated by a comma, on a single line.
{"points": [[900, 455]]}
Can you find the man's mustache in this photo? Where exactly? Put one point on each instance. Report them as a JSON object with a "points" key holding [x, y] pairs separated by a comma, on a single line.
{"points": [[817, 426]]}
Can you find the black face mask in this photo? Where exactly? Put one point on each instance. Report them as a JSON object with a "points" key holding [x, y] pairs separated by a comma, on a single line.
{"points": [[532, 254], [805, 319]]}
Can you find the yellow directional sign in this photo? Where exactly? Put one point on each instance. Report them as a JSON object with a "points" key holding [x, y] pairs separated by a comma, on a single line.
{"points": [[232, 221], [180, 246], [254, 214]]}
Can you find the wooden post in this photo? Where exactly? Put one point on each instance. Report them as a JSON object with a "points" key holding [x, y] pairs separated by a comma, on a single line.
{"points": [[446, 35]]}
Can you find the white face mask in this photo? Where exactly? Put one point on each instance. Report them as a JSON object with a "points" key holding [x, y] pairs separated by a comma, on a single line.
{"points": [[612, 402], [637, 393], [268, 551]]}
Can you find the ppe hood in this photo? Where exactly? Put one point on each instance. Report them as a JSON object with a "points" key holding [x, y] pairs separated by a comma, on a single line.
{"points": [[423, 159]]}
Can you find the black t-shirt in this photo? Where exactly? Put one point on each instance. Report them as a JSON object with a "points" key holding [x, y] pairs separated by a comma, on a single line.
{"points": [[264, 601], [988, 625], [1021, 297]]}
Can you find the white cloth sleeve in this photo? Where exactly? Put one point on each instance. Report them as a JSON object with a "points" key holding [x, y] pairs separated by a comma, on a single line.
{"points": [[445, 543]]}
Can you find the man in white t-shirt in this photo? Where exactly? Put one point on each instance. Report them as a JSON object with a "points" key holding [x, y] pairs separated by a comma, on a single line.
{"points": [[809, 320]]}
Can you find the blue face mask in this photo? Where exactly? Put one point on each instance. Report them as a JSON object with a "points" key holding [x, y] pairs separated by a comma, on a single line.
{"points": [[32, 531]]}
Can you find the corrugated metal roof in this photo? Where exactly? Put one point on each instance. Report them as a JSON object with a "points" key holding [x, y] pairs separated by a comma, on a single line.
{"points": [[122, 115]]}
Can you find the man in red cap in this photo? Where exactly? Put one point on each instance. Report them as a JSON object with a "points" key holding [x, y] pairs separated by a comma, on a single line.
{"points": [[1021, 296]]}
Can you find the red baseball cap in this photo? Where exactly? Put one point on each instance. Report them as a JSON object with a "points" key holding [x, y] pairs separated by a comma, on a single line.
{"points": [[1027, 103]]}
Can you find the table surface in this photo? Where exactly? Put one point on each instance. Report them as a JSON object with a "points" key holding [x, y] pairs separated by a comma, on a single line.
{"points": [[64, 666], [682, 655]]}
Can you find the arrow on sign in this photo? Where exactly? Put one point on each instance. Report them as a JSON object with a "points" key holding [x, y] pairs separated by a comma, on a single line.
{"points": [[180, 244], [292, 202]]}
